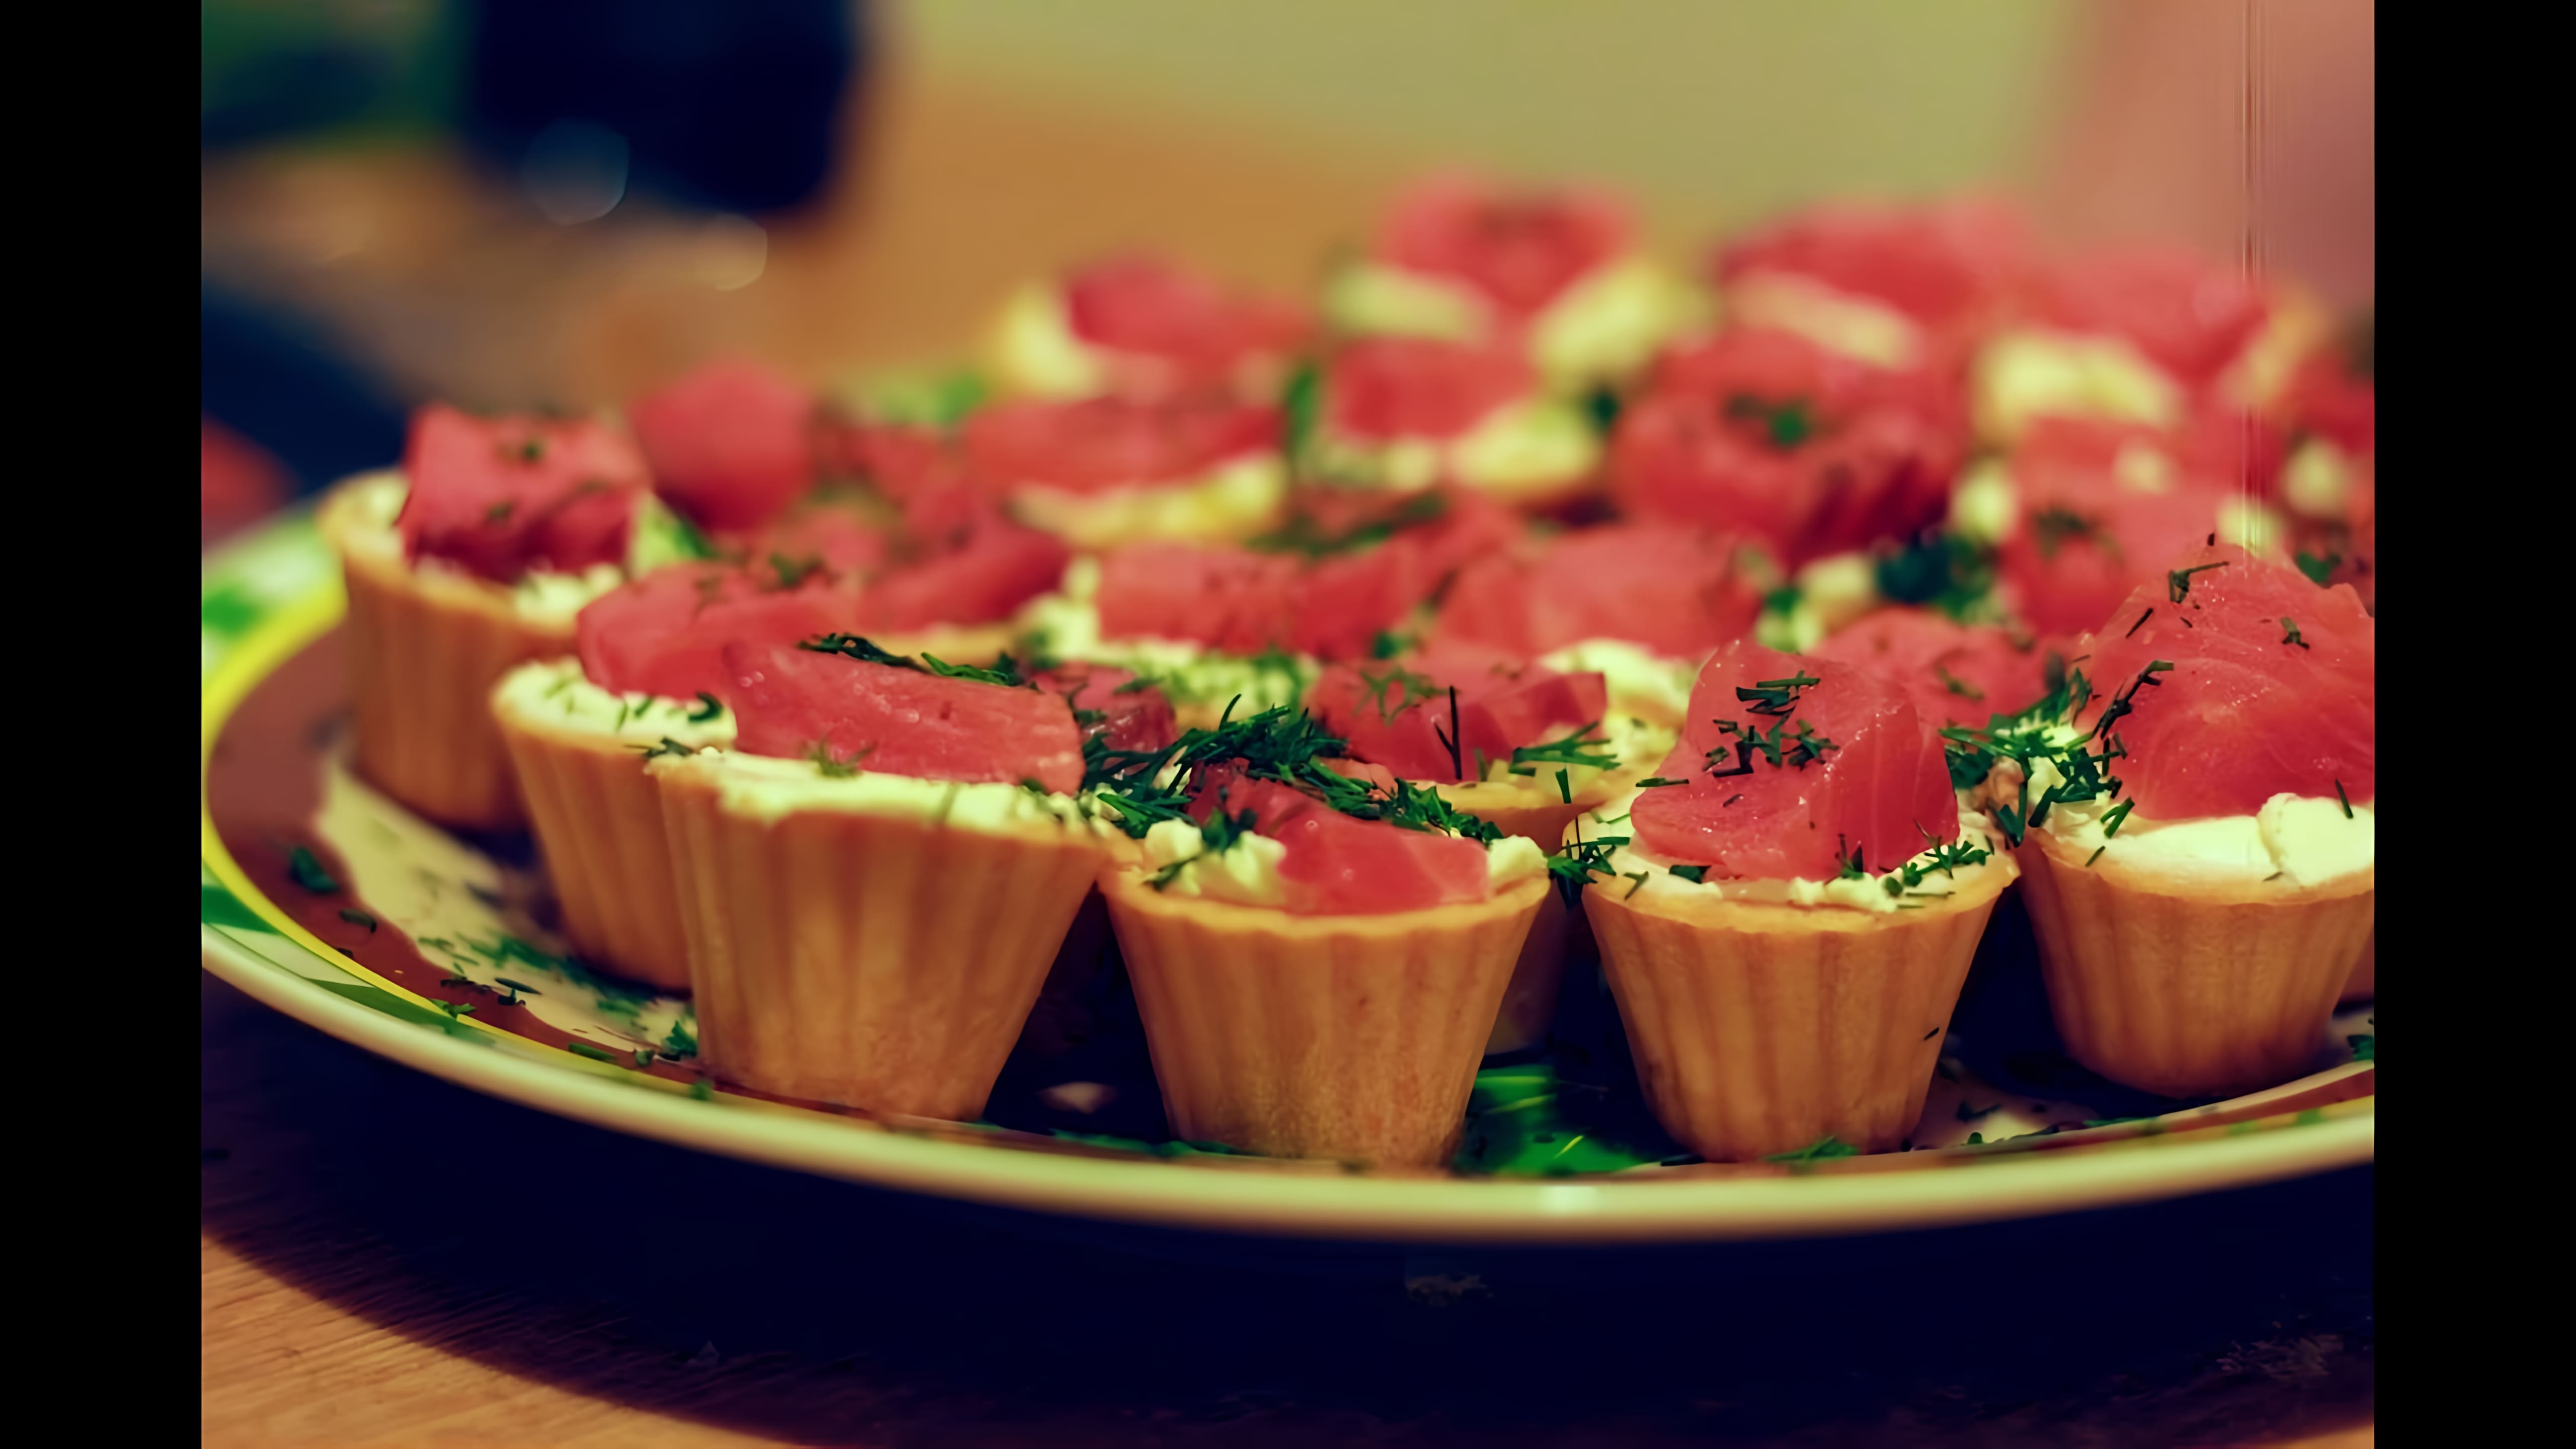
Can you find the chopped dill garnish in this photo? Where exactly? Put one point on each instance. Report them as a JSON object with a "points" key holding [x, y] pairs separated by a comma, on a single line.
{"points": [[1955, 684], [356, 917], [1695, 874], [1005, 670], [2343, 799], [2178, 582], [668, 746], [305, 869], [2142, 622], [1396, 691], [1775, 696], [709, 707], [1139, 788], [2096, 855], [1823, 1149], [1576, 748], [834, 766], [793, 572], [2290, 632], [1574, 866], [2319, 569], [2051, 528]]}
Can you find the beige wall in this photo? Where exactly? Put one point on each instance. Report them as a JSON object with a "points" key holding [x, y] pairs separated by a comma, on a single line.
{"points": [[1710, 112]]}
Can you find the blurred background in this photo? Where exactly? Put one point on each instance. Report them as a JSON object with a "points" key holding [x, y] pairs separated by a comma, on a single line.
{"points": [[560, 203]]}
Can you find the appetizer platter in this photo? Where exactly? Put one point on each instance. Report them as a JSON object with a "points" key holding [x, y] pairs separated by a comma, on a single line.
{"points": [[1872, 731]]}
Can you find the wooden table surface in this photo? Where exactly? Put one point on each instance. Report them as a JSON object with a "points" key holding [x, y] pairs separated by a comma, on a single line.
{"points": [[391, 1260]]}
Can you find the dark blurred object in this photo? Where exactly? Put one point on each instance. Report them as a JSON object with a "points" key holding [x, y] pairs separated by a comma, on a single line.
{"points": [[736, 107], [733, 107], [275, 68], [270, 378]]}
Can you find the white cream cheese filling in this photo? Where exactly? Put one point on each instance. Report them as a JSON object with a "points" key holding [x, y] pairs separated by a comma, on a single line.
{"points": [[768, 788], [1535, 445], [1604, 326], [1840, 322], [2296, 840], [1240, 498], [1641, 682], [555, 692], [2036, 372]]}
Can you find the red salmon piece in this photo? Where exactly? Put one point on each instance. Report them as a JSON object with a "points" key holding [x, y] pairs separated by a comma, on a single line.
{"points": [[2190, 316], [1517, 251], [2254, 706], [837, 538], [1131, 715], [1956, 673], [2327, 398], [665, 633], [1335, 865], [1192, 330], [1764, 431], [2232, 448], [501, 496], [996, 567], [1397, 714], [1880, 789], [731, 444], [797, 703], [1944, 265], [2086, 535], [1674, 591], [1111, 442], [1380, 389], [1225, 598]]}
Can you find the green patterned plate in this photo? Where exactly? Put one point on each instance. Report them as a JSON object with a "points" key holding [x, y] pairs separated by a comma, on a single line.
{"points": [[334, 905]]}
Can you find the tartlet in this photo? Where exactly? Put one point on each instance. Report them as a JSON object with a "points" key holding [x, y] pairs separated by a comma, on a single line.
{"points": [[1534, 748], [2197, 829], [1777, 989], [649, 678], [876, 880], [473, 558], [1313, 983]]}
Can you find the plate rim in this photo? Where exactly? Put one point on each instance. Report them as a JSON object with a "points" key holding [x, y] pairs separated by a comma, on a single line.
{"points": [[1489, 1211]]}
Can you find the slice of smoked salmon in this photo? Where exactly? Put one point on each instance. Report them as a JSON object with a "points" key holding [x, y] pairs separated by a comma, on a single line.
{"points": [[1397, 713], [2272, 688], [1870, 780], [665, 633], [1335, 864], [1955, 673], [853, 714], [1675, 591]]}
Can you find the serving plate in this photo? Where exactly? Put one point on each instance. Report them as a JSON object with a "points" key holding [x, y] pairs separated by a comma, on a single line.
{"points": [[327, 901]]}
